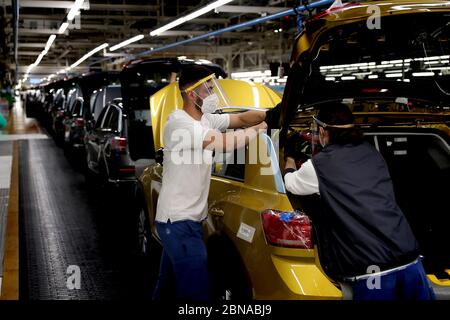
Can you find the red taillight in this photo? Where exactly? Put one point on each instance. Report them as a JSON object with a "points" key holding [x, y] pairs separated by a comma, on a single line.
{"points": [[127, 170], [287, 229], [119, 144], [374, 90], [79, 122]]}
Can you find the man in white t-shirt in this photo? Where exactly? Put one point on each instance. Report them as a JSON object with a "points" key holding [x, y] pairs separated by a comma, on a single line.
{"points": [[190, 137]]}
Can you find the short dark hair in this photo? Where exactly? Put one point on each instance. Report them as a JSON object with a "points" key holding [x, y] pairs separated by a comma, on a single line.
{"points": [[191, 74], [337, 113]]}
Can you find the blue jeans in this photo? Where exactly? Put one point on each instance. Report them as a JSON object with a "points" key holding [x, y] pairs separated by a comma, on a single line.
{"points": [[183, 258], [410, 283]]}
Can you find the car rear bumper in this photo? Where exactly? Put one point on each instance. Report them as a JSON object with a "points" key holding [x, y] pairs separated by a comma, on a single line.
{"points": [[304, 279]]}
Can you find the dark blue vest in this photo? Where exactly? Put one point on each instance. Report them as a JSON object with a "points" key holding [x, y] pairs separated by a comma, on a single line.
{"points": [[360, 223]]}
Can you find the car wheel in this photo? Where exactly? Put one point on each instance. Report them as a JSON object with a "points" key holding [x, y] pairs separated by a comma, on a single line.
{"points": [[144, 235], [147, 249], [91, 179], [146, 246], [229, 280]]}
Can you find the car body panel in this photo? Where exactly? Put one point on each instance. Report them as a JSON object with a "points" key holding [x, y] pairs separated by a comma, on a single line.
{"points": [[350, 13]]}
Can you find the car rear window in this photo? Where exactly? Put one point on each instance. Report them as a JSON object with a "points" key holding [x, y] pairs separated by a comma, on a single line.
{"points": [[408, 57]]}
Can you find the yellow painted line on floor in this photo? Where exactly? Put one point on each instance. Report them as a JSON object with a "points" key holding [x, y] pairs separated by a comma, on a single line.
{"points": [[10, 281]]}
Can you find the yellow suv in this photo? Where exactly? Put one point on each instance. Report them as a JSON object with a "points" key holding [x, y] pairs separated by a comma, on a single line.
{"points": [[390, 63], [253, 251]]}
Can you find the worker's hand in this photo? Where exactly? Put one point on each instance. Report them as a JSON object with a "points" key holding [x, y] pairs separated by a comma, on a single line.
{"points": [[273, 117], [295, 145]]}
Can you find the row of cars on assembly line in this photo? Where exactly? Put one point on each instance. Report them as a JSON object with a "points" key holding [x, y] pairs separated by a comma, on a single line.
{"points": [[395, 79]]}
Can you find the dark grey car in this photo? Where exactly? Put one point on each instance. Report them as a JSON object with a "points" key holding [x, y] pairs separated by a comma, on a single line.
{"points": [[107, 146]]}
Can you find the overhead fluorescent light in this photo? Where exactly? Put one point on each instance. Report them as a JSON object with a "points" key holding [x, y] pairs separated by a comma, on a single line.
{"points": [[431, 58], [74, 10], [439, 68], [423, 74], [394, 75], [361, 74], [87, 55], [348, 78], [39, 58], [63, 27], [50, 42], [193, 15], [373, 76], [126, 42], [330, 78]]}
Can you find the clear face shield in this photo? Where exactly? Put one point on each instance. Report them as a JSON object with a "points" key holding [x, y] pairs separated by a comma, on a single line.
{"points": [[209, 95], [315, 135]]}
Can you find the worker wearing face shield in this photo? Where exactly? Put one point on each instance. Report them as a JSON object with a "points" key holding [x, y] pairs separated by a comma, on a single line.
{"points": [[364, 239], [191, 135]]}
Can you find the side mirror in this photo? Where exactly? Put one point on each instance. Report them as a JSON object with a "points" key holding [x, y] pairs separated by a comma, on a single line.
{"points": [[159, 156]]}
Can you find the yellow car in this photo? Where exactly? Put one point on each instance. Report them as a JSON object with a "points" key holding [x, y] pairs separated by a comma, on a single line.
{"points": [[243, 264], [389, 62]]}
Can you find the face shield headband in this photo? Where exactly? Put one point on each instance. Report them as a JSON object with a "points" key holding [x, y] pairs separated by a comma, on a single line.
{"points": [[211, 94], [315, 139], [199, 82], [325, 125]]}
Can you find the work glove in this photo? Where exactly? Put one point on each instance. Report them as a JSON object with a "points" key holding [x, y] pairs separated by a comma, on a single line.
{"points": [[273, 117], [296, 145]]}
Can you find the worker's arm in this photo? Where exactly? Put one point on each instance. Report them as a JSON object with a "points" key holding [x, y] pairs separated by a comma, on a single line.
{"points": [[246, 119], [302, 181], [290, 165], [226, 142]]}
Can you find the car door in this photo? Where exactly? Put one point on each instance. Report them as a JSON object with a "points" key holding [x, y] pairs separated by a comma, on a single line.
{"points": [[110, 129], [75, 113], [93, 141]]}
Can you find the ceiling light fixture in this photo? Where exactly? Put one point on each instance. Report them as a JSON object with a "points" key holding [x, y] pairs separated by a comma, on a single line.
{"points": [[49, 42], [423, 74], [63, 27], [87, 55], [127, 42], [74, 10], [193, 15]]}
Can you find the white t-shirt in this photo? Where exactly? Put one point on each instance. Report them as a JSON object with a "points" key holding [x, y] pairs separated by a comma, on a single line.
{"points": [[304, 181], [187, 166]]}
